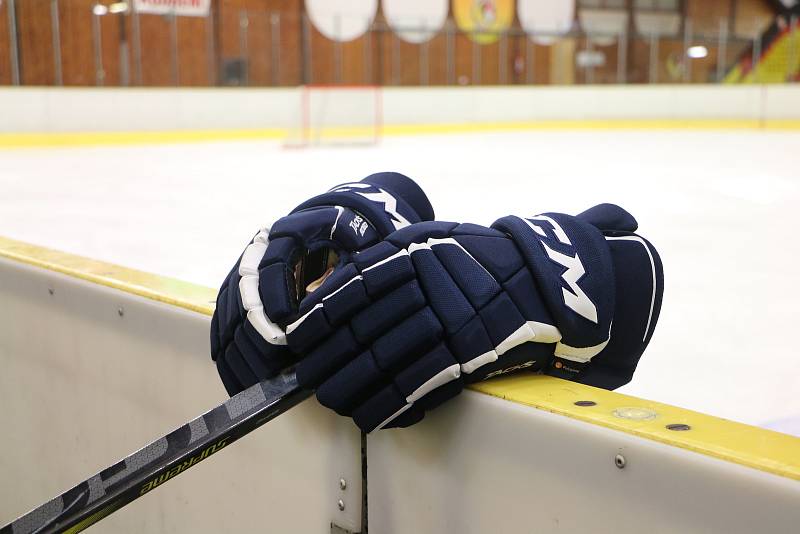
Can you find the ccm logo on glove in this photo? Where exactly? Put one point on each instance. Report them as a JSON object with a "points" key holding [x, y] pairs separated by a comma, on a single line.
{"points": [[575, 300], [379, 196]]}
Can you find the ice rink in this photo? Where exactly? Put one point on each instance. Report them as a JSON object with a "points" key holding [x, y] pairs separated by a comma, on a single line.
{"points": [[720, 206]]}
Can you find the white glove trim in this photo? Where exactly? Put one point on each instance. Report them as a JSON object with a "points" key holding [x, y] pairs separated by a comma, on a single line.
{"points": [[248, 289]]}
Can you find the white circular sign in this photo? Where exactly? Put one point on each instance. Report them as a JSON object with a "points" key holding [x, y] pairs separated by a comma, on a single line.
{"points": [[342, 20], [415, 21], [545, 17]]}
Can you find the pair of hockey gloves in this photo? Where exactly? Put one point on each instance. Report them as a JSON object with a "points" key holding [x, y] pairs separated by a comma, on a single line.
{"points": [[387, 313]]}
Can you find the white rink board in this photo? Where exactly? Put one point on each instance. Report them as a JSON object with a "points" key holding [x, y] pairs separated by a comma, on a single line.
{"points": [[484, 465], [83, 386], [59, 110]]}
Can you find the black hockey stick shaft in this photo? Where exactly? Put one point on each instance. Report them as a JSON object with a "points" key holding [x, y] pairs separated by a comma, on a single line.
{"points": [[167, 457]]}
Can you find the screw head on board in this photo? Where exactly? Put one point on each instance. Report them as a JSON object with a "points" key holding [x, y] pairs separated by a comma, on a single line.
{"points": [[619, 461], [341, 505], [679, 427]]}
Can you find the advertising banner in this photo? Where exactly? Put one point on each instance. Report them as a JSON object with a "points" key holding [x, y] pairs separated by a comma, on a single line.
{"points": [[483, 20], [181, 8]]}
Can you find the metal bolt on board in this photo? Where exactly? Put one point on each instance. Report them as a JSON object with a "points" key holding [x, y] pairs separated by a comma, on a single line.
{"points": [[619, 461]]}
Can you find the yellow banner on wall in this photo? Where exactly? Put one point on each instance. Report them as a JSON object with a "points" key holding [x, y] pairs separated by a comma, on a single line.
{"points": [[483, 20]]}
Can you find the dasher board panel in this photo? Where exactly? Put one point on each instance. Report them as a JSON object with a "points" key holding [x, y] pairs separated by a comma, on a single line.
{"points": [[481, 464], [499, 458], [92, 373]]}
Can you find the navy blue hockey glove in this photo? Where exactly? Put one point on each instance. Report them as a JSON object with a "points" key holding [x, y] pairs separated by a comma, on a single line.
{"points": [[282, 264], [436, 305]]}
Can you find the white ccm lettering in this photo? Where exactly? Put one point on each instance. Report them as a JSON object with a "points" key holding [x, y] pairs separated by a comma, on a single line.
{"points": [[381, 197], [574, 298]]}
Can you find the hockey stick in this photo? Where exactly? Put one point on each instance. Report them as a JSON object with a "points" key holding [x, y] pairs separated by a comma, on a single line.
{"points": [[138, 474]]}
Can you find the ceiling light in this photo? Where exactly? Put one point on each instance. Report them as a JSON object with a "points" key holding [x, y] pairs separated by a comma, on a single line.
{"points": [[697, 52]]}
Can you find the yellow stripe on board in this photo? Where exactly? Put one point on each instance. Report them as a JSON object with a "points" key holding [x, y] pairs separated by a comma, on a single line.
{"points": [[611, 124], [720, 438], [742, 444], [72, 139], [161, 288]]}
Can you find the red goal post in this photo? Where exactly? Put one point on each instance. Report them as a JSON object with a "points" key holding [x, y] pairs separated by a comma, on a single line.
{"points": [[330, 115]]}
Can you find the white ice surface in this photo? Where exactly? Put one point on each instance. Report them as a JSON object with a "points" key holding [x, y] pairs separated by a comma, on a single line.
{"points": [[721, 207]]}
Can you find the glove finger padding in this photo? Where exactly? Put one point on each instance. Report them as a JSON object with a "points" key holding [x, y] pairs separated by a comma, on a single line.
{"points": [[413, 319], [239, 338], [248, 341], [408, 322]]}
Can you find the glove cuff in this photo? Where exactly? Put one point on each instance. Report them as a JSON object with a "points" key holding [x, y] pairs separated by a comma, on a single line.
{"points": [[639, 289], [405, 189], [389, 200], [602, 284]]}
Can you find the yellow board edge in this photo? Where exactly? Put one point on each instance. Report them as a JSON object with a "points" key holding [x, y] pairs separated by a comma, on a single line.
{"points": [[151, 286], [746, 445], [727, 440], [74, 139]]}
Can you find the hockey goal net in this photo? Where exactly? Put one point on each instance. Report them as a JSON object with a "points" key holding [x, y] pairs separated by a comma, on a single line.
{"points": [[337, 115]]}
